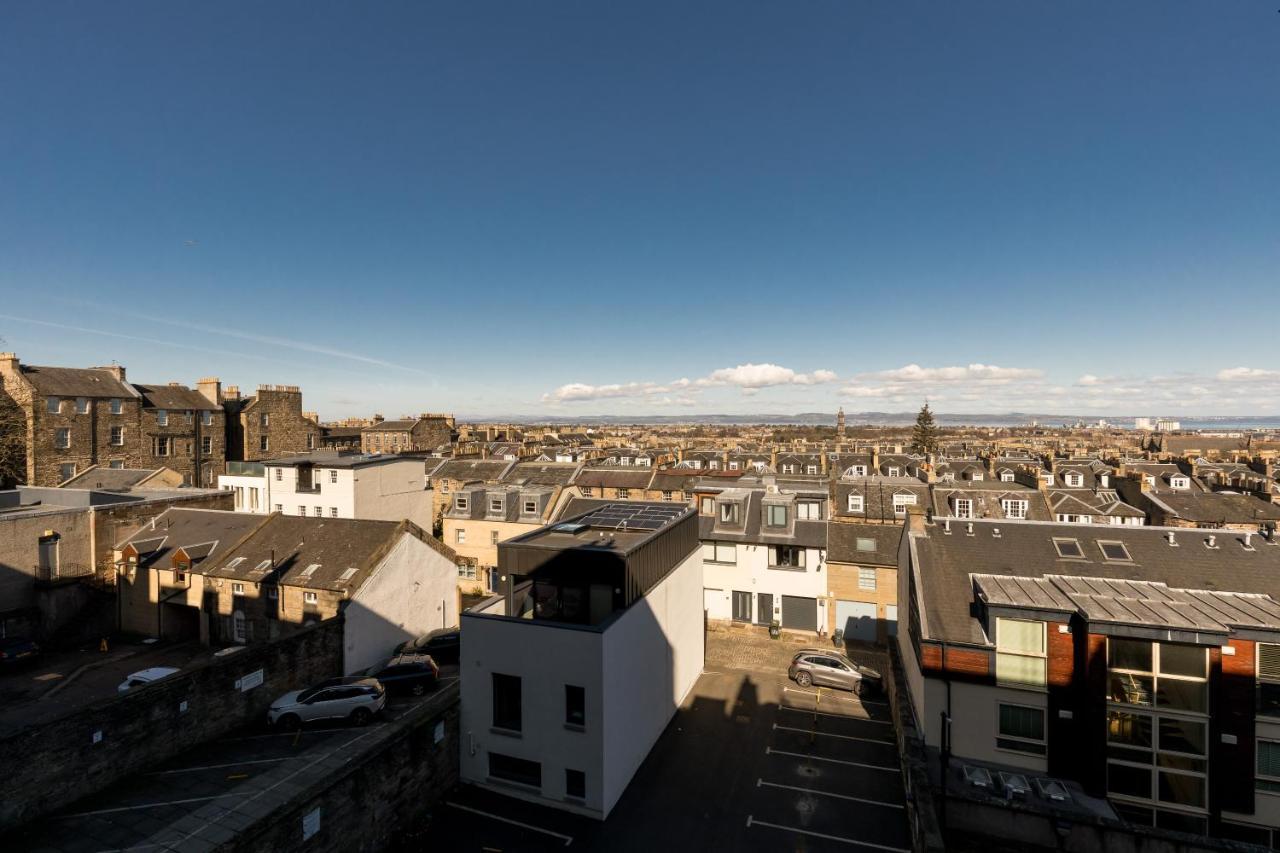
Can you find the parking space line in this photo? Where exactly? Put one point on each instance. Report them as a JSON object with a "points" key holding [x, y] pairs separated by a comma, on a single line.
{"points": [[768, 750], [836, 716], [223, 766], [833, 695], [146, 806], [283, 734], [880, 741], [568, 839], [761, 782], [751, 821]]}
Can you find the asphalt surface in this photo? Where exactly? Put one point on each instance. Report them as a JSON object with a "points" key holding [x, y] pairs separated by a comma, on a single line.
{"points": [[157, 810], [751, 762]]}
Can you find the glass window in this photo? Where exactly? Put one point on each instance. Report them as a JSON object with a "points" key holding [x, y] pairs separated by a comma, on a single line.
{"points": [[1129, 654], [1068, 548], [1186, 736], [518, 770], [506, 702], [1021, 728], [867, 579], [855, 503], [117, 406], [866, 545], [1115, 551], [575, 705], [1182, 789], [52, 405], [1020, 652], [729, 513], [776, 516], [1190, 661], [1268, 766], [1128, 729], [726, 552], [1129, 781], [575, 784]]}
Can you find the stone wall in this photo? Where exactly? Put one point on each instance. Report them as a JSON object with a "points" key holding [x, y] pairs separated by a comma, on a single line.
{"points": [[286, 429], [57, 761], [374, 800]]}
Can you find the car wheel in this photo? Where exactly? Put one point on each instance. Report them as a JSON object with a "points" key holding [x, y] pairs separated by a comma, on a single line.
{"points": [[419, 689], [361, 717], [803, 678], [290, 722]]}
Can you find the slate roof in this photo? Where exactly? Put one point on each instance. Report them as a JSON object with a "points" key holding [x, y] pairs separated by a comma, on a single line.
{"points": [[542, 473], [175, 398], [76, 382], [614, 478], [808, 534], [843, 537], [172, 529], [877, 493], [109, 479], [1215, 507], [470, 470], [987, 496], [1026, 549], [391, 426]]}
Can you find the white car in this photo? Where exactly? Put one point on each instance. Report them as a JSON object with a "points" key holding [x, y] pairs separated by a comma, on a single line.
{"points": [[354, 698], [144, 677]]}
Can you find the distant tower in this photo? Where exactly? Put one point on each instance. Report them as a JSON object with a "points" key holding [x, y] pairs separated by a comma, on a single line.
{"points": [[840, 423]]}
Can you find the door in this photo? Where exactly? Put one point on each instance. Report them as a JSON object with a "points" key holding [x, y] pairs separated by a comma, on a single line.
{"points": [[764, 608], [716, 603], [891, 619], [858, 619], [741, 606], [799, 613]]}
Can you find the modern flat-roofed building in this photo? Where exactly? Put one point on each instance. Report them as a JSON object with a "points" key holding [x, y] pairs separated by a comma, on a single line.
{"points": [[576, 667]]}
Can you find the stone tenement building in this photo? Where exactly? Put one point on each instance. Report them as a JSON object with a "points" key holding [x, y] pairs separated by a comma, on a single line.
{"points": [[79, 417], [269, 424], [425, 432]]}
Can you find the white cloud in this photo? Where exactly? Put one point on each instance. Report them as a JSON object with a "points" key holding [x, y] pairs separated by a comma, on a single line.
{"points": [[1246, 374], [871, 391], [750, 378], [966, 373], [1088, 379], [764, 376], [576, 391]]}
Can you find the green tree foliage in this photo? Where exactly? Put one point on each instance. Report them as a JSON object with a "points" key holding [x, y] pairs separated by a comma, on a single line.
{"points": [[924, 436]]}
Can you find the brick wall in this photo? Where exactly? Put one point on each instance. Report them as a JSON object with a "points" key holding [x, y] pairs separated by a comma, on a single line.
{"points": [[375, 800], [1231, 785], [57, 761], [1061, 730], [286, 430]]}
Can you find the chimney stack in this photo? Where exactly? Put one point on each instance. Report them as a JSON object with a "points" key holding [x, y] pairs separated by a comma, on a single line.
{"points": [[211, 389], [9, 363], [116, 370]]}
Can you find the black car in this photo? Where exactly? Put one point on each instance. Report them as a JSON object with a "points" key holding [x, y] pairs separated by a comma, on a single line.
{"points": [[17, 650], [410, 673], [443, 644]]}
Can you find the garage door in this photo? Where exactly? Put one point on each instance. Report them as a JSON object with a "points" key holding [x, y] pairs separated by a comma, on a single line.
{"points": [[858, 619], [799, 613], [716, 603]]}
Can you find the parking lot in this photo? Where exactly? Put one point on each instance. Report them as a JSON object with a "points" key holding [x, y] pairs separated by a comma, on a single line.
{"points": [[750, 762], [206, 795]]}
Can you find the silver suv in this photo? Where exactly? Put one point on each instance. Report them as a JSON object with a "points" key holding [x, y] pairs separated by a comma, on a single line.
{"points": [[355, 698], [832, 669]]}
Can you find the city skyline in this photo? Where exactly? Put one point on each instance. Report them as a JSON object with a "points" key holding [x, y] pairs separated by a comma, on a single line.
{"points": [[734, 208]]}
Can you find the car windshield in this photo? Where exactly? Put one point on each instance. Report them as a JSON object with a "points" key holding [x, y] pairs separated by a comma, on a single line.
{"points": [[308, 694]]}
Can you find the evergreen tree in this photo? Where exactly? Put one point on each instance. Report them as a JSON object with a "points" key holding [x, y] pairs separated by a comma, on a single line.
{"points": [[924, 436]]}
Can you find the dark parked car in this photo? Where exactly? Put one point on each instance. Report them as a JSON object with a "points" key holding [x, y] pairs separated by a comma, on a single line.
{"points": [[443, 644], [17, 650], [410, 673]]}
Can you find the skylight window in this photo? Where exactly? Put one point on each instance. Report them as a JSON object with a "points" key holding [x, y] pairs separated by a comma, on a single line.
{"points": [[348, 574], [237, 561], [1068, 549], [1115, 551], [310, 570]]}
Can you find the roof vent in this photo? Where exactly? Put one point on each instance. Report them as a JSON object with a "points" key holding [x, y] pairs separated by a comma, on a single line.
{"points": [[1248, 541], [1172, 542], [995, 533], [946, 526], [1211, 541], [968, 528]]}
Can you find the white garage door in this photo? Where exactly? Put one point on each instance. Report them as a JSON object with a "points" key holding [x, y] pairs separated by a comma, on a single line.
{"points": [[716, 603], [858, 619]]}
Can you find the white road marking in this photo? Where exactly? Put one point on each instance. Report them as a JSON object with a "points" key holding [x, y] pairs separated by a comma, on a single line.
{"points": [[880, 741], [568, 839], [146, 806], [760, 782], [753, 822], [835, 716], [223, 766], [282, 734], [832, 694], [768, 750]]}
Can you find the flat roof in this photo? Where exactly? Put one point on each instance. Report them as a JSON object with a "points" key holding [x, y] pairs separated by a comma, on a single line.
{"points": [[620, 527]]}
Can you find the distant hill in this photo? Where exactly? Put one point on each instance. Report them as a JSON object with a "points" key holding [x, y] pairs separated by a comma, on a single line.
{"points": [[880, 419]]}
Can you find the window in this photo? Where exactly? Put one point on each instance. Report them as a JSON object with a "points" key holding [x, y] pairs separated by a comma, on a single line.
{"points": [[1268, 766], [273, 593], [467, 570], [866, 545], [866, 579], [116, 463], [666, 494], [302, 510], [62, 438], [206, 444], [333, 475], [161, 445], [857, 503], [264, 419], [788, 469], [264, 443], [1020, 652], [901, 502], [811, 469], [786, 556], [1179, 483], [728, 513], [530, 507], [311, 441], [963, 507], [575, 705], [809, 510], [495, 505], [1115, 551], [575, 784], [309, 598], [460, 536], [317, 511], [1075, 481], [733, 466], [1006, 476], [462, 502], [624, 494], [1068, 549], [706, 506], [117, 406], [493, 537], [587, 491], [720, 552], [333, 512], [52, 405], [1020, 729], [518, 770], [162, 417], [237, 589], [893, 471], [1014, 508], [279, 474], [82, 405], [206, 419], [506, 702], [776, 516], [279, 507], [1268, 680]]}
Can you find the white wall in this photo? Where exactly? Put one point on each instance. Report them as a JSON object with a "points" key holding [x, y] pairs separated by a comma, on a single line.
{"points": [[412, 591], [653, 655], [974, 719], [230, 482], [393, 491], [752, 574]]}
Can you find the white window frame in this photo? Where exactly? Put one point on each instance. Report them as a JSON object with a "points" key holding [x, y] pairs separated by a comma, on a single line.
{"points": [[1014, 508], [962, 507], [1038, 748], [901, 502], [460, 536], [62, 438], [117, 432], [310, 598], [866, 578], [1011, 656], [162, 417], [857, 503], [82, 405], [116, 406]]}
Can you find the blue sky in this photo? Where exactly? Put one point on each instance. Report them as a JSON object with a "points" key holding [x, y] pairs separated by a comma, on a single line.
{"points": [[583, 207]]}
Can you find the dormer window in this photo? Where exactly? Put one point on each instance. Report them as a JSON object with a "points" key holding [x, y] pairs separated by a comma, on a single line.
{"points": [[1149, 479], [856, 471], [462, 502], [728, 513], [948, 477], [1047, 479], [962, 507], [713, 465], [1179, 482], [975, 476], [776, 515], [809, 510], [1074, 480], [901, 502], [530, 507], [495, 505], [811, 469], [706, 506], [788, 469], [1006, 476], [1014, 508], [733, 466], [856, 503]]}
